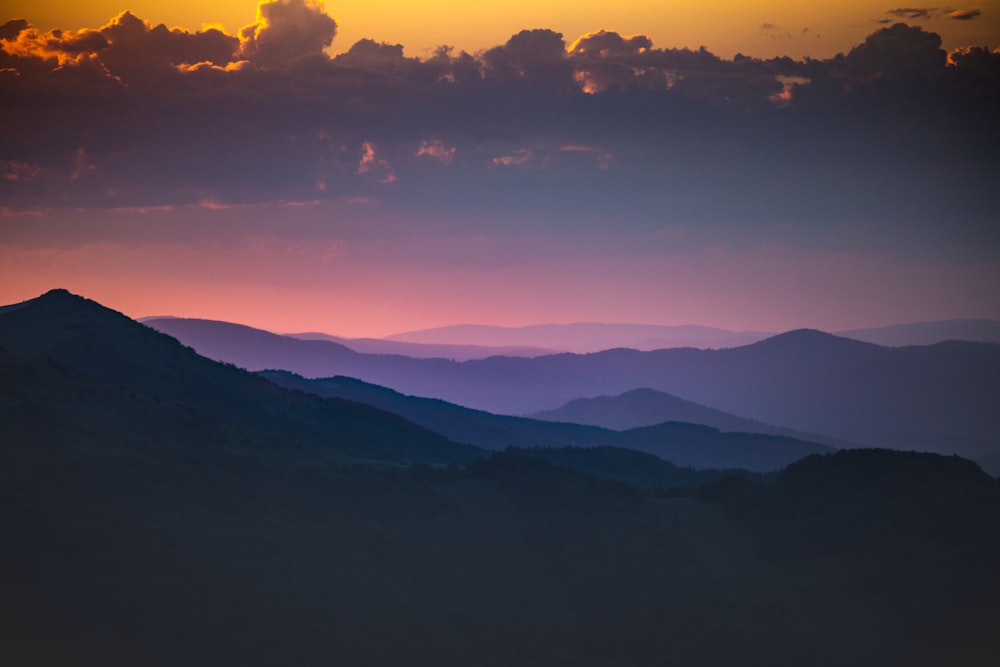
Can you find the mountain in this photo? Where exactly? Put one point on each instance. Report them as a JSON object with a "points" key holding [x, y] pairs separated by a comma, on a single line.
{"points": [[647, 407], [584, 337], [643, 470], [938, 397], [452, 342], [161, 509], [928, 333], [681, 444], [415, 350], [358, 422], [116, 354]]}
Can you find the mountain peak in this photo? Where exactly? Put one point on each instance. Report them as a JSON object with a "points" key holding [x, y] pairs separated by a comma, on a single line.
{"points": [[798, 338], [56, 305], [58, 292]]}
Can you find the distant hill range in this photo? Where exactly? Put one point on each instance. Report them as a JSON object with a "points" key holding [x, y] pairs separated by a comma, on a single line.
{"points": [[126, 383], [685, 444], [647, 407], [584, 337], [421, 350], [161, 508], [940, 397], [928, 333], [467, 342]]}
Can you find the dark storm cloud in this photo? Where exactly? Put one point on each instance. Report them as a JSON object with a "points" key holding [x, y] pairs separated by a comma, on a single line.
{"points": [[608, 128]]}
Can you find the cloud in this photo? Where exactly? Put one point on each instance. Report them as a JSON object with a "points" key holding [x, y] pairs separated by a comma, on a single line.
{"points": [[603, 157], [136, 48], [520, 157], [899, 51], [784, 97], [131, 115], [372, 165], [15, 170], [369, 54], [775, 31], [915, 13], [606, 59], [127, 50], [978, 66], [605, 44], [932, 13], [11, 29], [287, 31], [22, 44], [535, 57], [965, 14], [436, 150]]}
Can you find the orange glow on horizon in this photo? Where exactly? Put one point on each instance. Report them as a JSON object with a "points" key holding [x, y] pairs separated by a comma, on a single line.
{"points": [[764, 29]]}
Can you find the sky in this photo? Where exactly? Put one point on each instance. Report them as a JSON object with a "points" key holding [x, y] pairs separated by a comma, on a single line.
{"points": [[369, 168]]}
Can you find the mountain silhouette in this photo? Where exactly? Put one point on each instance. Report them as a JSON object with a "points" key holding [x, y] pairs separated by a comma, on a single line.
{"points": [[158, 508], [928, 333], [647, 407], [938, 397], [584, 337], [415, 350], [681, 444], [110, 350]]}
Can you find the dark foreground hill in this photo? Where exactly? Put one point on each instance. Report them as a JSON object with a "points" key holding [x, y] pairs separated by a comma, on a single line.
{"points": [[886, 520], [169, 551], [141, 367], [141, 529], [680, 443], [939, 397]]}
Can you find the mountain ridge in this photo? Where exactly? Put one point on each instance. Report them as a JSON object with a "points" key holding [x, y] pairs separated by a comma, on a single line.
{"points": [[425, 350], [74, 332], [934, 398], [144, 526], [585, 337], [647, 407], [680, 444]]}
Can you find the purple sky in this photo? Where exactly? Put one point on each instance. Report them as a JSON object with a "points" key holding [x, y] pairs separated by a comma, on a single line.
{"points": [[262, 181]]}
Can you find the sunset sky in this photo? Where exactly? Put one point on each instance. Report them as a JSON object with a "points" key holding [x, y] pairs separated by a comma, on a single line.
{"points": [[301, 167]]}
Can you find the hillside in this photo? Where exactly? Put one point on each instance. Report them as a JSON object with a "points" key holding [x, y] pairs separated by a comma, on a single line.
{"points": [[454, 352], [929, 333], [682, 444], [158, 508], [113, 353], [938, 397], [647, 407], [585, 337]]}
